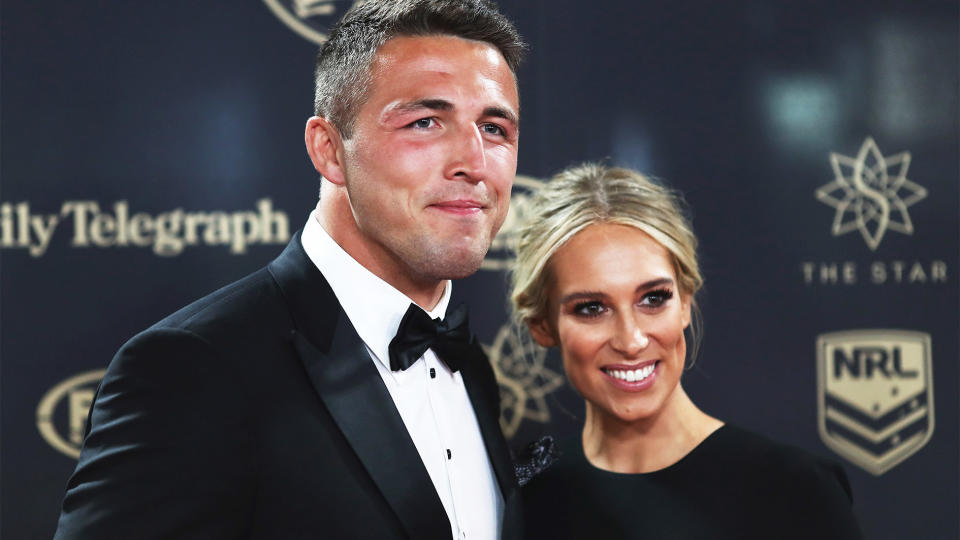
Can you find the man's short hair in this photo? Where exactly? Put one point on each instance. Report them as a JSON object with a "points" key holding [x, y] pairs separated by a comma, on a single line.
{"points": [[343, 63]]}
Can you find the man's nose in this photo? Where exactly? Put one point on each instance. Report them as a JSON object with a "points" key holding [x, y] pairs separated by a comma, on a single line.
{"points": [[467, 159], [629, 338]]}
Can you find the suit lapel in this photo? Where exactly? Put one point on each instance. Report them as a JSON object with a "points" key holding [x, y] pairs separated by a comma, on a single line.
{"points": [[483, 390], [341, 372], [353, 392]]}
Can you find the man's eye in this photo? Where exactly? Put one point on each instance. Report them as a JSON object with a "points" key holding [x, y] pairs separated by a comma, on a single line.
{"points": [[588, 309], [493, 129], [423, 123]]}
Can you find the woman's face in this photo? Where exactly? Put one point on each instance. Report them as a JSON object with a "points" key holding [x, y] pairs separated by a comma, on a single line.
{"points": [[618, 317]]}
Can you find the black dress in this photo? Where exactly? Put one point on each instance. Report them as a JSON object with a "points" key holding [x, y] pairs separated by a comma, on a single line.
{"points": [[734, 485]]}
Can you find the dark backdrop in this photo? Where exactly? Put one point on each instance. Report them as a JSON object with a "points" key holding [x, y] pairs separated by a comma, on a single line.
{"points": [[147, 108]]}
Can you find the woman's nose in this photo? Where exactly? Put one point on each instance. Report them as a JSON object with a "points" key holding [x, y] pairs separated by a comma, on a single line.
{"points": [[630, 339]]}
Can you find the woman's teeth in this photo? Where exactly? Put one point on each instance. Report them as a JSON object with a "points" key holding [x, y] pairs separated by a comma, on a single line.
{"points": [[632, 375]]}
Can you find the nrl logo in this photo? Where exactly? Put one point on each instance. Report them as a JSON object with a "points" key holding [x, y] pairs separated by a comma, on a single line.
{"points": [[875, 395], [310, 18], [871, 193]]}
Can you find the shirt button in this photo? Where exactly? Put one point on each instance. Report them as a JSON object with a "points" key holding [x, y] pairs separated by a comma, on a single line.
{"points": [[449, 454], [433, 373]]}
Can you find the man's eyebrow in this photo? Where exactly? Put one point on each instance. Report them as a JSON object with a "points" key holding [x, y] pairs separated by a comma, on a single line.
{"points": [[500, 112], [436, 104], [429, 103]]}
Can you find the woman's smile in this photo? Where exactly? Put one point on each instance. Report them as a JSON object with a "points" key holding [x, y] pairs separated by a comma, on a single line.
{"points": [[632, 378]]}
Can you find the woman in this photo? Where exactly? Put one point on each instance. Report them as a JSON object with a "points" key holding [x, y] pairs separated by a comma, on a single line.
{"points": [[607, 272]]}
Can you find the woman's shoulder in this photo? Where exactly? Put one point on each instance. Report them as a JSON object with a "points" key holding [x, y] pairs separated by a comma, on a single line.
{"points": [[793, 486], [771, 462]]}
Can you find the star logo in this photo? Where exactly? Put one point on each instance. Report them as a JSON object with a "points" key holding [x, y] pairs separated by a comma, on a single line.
{"points": [[524, 379], [871, 193]]}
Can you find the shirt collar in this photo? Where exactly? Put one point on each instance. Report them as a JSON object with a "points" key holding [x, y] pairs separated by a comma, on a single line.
{"points": [[373, 306]]}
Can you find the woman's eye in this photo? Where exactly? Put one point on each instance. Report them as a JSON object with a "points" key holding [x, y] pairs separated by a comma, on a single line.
{"points": [[589, 309], [656, 298]]}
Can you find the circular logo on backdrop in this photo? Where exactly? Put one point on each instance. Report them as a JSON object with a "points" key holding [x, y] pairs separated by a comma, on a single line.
{"points": [[62, 413], [310, 18]]}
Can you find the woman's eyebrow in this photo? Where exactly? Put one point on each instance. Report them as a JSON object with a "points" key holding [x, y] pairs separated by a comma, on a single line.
{"points": [[581, 295], [654, 283], [590, 295]]}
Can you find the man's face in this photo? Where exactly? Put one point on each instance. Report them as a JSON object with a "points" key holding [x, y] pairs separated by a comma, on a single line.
{"points": [[430, 165]]}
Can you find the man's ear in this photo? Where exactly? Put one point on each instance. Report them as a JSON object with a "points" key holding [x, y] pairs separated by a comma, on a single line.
{"points": [[541, 332], [325, 148]]}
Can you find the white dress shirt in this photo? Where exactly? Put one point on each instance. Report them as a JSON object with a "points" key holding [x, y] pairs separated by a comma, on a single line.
{"points": [[431, 400]]}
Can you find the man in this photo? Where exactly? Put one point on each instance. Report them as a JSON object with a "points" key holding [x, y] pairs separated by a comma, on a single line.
{"points": [[283, 406]]}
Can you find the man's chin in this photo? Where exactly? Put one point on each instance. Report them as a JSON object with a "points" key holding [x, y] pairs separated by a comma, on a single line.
{"points": [[453, 263]]}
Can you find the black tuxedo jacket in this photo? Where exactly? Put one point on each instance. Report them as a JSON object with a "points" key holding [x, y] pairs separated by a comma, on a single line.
{"points": [[256, 412]]}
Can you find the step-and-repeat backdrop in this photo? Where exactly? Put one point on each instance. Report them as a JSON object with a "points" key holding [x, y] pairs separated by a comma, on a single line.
{"points": [[153, 152]]}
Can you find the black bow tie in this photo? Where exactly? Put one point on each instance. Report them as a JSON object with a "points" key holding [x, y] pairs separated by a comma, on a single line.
{"points": [[449, 338]]}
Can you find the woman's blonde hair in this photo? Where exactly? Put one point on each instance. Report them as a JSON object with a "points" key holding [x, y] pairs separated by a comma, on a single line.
{"points": [[589, 194]]}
